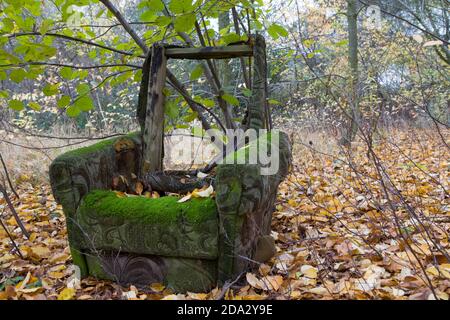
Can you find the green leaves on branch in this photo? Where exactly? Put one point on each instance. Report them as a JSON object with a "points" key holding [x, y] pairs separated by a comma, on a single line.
{"points": [[35, 51], [17, 75], [82, 103], [51, 89], [66, 73], [63, 102], [206, 102], [151, 9], [184, 22], [16, 105], [171, 109], [230, 99], [185, 18], [276, 31], [33, 105], [181, 6], [7, 25], [45, 26], [19, 16], [163, 21], [82, 89], [72, 111], [196, 72], [183, 11]]}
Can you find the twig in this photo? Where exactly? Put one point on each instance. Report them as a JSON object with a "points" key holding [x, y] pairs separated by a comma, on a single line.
{"points": [[11, 238], [227, 285], [11, 207], [62, 36], [7, 177], [62, 65]]}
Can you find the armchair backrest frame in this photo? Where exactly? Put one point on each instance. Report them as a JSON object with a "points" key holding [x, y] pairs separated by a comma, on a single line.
{"points": [[151, 97]]}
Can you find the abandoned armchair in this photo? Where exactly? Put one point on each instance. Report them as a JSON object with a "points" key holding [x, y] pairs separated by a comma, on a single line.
{"points": [[188, 246]]}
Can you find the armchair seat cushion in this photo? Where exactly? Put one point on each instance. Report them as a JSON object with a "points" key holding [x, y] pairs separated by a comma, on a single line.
{"points": [[161, 226]]}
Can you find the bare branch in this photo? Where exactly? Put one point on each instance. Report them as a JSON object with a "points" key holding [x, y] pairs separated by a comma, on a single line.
{"points": [[125, 24], [13, 211]]}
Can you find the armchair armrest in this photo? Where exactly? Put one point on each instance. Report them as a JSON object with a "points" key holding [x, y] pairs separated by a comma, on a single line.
{"points": [[76, 172], [245, 201]]}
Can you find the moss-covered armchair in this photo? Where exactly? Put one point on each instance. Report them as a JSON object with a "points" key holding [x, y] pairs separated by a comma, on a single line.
{"points": [[193, 245]]}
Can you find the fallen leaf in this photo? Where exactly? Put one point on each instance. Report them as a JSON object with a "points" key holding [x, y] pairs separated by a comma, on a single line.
{"points": [[203, 193], [309, 271], [66, 294]]}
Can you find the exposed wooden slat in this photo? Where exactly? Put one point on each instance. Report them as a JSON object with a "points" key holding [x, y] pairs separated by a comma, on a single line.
{"points": [[154, 116], [258, 117], [233, 51]]}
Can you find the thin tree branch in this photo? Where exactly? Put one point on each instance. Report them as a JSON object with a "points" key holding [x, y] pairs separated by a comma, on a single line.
{"points": [[431, 34], [176, 84], [125, 24], [39, 63], [7, 177], [13, 211], [11, 238], [62, 36]]}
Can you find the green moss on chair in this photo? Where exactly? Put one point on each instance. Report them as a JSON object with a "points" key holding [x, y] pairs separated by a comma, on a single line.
{"points": [[164, 210], [193, 245], [141, 225], [96, 147]]}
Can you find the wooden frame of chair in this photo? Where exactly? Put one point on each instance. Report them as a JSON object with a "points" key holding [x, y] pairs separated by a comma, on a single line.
{"points": [[152, 119]]}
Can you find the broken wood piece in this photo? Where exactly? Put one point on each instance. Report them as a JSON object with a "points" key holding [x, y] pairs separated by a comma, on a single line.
{"points": [[154, 115], [226, 52], [163, 182]]}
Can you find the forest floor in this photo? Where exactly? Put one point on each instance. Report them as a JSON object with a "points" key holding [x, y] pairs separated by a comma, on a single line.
{"points": [[344, 229]]}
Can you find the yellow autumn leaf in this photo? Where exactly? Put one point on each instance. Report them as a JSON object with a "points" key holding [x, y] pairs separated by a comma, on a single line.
{"points": [[147, 194], [56, 275], [157, 287], [41, 252], [252, 297], [67, 294], [272, 282], [309, 271], [155, 195], [432, 271], [33, 236]]}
